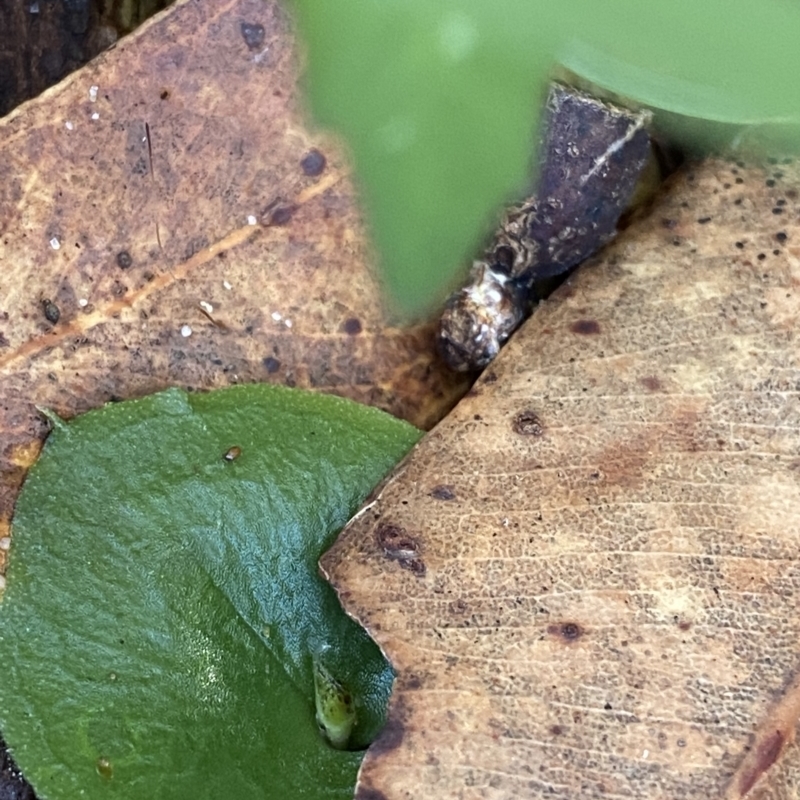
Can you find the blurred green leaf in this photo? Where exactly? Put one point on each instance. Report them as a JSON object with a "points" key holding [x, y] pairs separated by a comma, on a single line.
{"points": [[439, 101], [164, 611]]}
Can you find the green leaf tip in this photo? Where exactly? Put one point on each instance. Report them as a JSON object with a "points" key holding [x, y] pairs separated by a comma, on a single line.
{"points": [[163, 596]]}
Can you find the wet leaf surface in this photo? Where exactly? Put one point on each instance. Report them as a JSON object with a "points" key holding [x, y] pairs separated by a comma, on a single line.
{"points": [[164, 615], [127, 259], [586, 576]]}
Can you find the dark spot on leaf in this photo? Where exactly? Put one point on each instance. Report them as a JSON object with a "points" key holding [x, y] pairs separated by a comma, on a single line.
{"points": [[233, 453], [51, 311], [777, 210], [253, 35], [313, 163], [703, 220], [391, 737], [557, 730], [766, 755], [272, 365], [124, 259], [608, 706], [669, 224], [769, 182], [164, 94], [490, 377], [352, 326], [740, 245], [280, 215], [569, 631], [585, 327], [3, 341], [396, 542], [651, 383], [527, 423], [781, 236], [443, 492], [367, 793], [684, 625]]}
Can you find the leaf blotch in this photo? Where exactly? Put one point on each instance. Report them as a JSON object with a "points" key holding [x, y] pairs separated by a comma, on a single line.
{"points": [[399, 546], [443, 492], [585, 327], [651, 383], [527, 423], [766, 755], [568, 631]]}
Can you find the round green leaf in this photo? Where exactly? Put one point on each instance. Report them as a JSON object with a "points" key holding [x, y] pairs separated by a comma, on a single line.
{"points": [[164, 613]]}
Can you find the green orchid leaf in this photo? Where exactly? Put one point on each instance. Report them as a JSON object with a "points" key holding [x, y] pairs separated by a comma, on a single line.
{"points": [[439, 101], [164, 614]]}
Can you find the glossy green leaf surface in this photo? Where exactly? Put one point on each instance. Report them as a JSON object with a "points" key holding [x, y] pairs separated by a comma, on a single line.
{"points": [[163, 610], [439, 101]]}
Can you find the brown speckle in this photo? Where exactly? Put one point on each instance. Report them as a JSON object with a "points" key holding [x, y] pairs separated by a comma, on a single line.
{"points": [[557, 730], [313, 163], [233, 453], [585, 327], [51, 311], [124, 259], [253, 35], [766, 755], [352, 326], [527, 423], [651, 383], [684, 625], [443, 492]]}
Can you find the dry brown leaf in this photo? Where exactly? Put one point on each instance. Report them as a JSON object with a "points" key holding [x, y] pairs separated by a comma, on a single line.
{"points": [[587, 576], [125, 207]]}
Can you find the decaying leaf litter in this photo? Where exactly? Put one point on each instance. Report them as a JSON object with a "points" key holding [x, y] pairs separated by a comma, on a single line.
{"points": [[586, 575], [168, 203]]}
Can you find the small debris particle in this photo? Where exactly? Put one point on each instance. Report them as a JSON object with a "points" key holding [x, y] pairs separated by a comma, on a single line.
{"points": [[93, 93], [227, 286], [777, 210], [206, 306], [313, 163], [352, 326], [55, 244], [781, 236], [233, 453], [740, 245], [164, 94], [253, 35], [287, 323], [251, 220], [51, 312], [83, 302], [70, 126], [186, 331], [95, 115], [124, 259], [703, 220], [277, 316], [5, 542]]}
